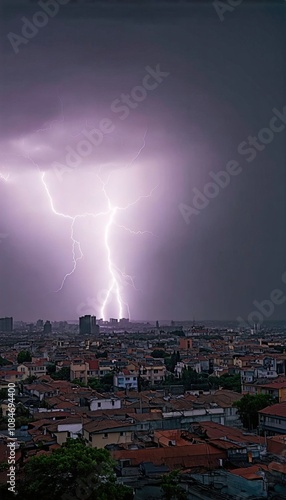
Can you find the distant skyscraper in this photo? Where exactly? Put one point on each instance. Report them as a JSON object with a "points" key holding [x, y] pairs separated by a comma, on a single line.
{"points": [[6, 325], [48, 327], [40, 323], [87, 325]]}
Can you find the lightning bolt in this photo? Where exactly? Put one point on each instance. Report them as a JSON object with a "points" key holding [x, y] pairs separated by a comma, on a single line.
{"points": [[140, 150], [131, 231], [76, 247], [75, 243], [116, 275], [114, 272]]}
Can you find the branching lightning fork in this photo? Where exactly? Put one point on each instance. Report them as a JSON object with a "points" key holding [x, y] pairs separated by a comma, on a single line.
{"points": [[116, 275]]}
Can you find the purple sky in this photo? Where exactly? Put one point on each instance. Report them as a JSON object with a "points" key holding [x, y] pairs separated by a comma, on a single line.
{"points": [[225, 79]]}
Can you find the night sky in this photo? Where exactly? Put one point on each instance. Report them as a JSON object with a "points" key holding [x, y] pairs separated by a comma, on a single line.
{"points": [[221, 81]]}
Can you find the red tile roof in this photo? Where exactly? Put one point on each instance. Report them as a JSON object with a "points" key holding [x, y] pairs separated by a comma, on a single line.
{"points": [[191, 456], [278, 410], [274, 385], [277, 467], [217, 431], [249, 473], [93, 364], [104, 425]]}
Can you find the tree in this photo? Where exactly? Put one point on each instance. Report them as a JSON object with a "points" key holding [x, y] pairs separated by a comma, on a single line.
{"points": [[5, 494], [71, 472], [4, 361], [158, 353], [24, 357], [189, 377], [249, 406], [62, 374], [51, 368], [230, 382], [103, 354], [30, 379], [3, 393], [171, 362], [107, 381], [171, 487]]}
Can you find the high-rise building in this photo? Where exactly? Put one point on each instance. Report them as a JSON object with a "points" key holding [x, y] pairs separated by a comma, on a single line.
{"points": [[48, 327], [94, 326], [87, 325], [6, 325], [40, 324]]}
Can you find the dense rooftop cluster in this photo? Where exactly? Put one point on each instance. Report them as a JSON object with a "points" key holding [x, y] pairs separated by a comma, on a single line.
{"points": [[158, 399]]}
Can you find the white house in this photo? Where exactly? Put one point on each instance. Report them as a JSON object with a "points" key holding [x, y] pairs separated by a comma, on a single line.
{"points": [[125, 380], [104, 403]]}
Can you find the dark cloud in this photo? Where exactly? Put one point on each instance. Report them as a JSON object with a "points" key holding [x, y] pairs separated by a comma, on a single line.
{"points": [[225, 79]]}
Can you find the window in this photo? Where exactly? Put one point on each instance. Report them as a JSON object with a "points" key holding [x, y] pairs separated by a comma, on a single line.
{"points": [[121, 433], [98, 405], [112, 402], [105, 435], [90, 437]]}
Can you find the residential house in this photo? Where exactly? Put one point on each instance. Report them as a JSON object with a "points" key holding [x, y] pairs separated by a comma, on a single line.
{"points": [[153, 371], [99, 434], [125, 380], [104, 402], [79, 369], [272, 419], [11, 376], [71, 427], [93, 368], [275, 389], [41, 390]]}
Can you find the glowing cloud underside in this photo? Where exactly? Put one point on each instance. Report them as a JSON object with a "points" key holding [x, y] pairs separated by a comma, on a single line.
{"points": [[116, 276]]}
